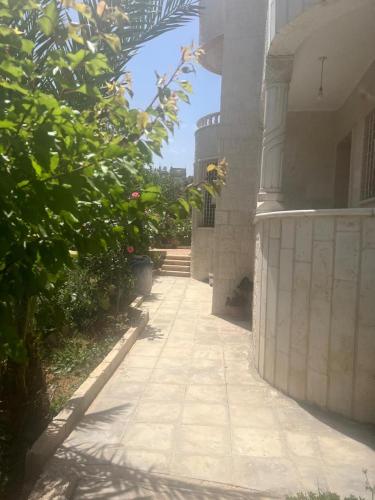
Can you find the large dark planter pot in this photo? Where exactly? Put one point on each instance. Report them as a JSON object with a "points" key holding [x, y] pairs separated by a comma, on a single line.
{"points": [[142, 267]]}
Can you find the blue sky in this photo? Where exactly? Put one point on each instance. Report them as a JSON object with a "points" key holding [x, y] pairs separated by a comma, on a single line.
{"points": [[162, 55]]}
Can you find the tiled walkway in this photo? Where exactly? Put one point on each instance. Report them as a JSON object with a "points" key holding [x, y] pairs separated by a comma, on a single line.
{"points": [[185, 416]]}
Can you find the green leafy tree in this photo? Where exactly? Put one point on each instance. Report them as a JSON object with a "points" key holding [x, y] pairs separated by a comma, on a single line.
{"points": [[73, 152]]}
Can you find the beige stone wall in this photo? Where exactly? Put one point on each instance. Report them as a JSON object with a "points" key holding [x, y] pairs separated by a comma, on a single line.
{"points": [[206, 146], [309, 162], [240, 143], [202, 250], [212, 19], [314, 307], [202, 244]]}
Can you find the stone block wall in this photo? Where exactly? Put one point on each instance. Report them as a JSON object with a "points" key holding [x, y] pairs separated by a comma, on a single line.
{"points": [[202, 250], [240, 140], [314, 307]]}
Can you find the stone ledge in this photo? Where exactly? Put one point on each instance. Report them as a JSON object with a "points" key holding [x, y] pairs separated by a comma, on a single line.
{"points": [[62, 425], [329, 212]]}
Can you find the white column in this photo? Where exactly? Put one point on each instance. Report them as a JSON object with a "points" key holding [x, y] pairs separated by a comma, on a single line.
{"points": [[277, 79]]}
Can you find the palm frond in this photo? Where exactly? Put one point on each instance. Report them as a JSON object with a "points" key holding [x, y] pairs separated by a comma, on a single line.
{"points": [[148, 19]]}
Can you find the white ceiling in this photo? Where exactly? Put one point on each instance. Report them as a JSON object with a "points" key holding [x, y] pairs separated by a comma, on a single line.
{"points": [[348, 42]]}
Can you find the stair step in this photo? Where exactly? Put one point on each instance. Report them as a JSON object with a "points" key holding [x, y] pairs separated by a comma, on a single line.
{"points": [[168, 267], [171, 262], [178, 257], [181, 274]]}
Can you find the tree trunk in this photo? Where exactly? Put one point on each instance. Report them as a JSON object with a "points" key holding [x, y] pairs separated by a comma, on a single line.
{"points": [[23, 395]]}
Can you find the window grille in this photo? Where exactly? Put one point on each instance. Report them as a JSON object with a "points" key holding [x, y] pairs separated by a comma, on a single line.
{"points": [[209, 206], [368, 169]]}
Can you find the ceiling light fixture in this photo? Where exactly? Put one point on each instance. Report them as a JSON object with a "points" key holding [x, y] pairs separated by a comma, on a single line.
{"points": [[322, 60]]}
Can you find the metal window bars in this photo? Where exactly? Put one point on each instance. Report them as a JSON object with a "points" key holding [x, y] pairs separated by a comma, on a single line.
{"points": [[209, 205], [368, 168]]}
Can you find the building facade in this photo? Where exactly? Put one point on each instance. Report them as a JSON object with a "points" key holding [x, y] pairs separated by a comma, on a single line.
{"points": [[297, 127]]}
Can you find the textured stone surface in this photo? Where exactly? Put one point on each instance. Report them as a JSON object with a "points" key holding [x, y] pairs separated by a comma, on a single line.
{"points": [[321, 348], [208, 420]]}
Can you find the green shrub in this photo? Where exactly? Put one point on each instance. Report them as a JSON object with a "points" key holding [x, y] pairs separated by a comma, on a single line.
{"points": [[80, 296], [321, 495]]}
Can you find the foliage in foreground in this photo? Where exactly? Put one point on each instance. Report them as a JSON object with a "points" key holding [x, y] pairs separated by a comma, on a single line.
{"points": [[72, 151], [73, 156], [328, 495], [172, 231]]}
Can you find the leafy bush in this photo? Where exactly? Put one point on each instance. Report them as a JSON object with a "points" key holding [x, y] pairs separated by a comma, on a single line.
{"points": [[183, 232], [93, 286], [321, 495]]}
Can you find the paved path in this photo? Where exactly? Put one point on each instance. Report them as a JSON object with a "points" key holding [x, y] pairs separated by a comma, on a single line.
{"points": [[185, 416]]}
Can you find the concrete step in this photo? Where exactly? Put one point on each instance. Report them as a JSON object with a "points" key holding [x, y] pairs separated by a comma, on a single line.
{"points": [[168, 267], [178, 257], [181, 274], [171, 262]]}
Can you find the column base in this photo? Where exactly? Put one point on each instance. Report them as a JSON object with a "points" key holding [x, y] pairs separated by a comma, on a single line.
{"points": [[270, 202], [269, 206]]}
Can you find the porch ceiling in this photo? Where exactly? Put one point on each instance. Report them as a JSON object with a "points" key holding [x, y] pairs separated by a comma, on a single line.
{"points": [[348, 43]]}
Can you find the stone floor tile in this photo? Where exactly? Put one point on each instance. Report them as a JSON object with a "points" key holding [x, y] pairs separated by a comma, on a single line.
{"points": [[248, 415], [233, 339], [276, 476], [111, 406], [345, 450], [183, 344], [233, 352], [206, 393], [159, 412], [208, 352], [132, 374], [177, 352], [140, 361], [346, 480], [165, 362], [294, 419], [211, 364], [162, 392], [312, 473], [189, 366], [170, 375], [204, 413], [302, 444], [246, 394], [256, 442], [240, 364], [93, 432], [149, 436], [239, 376], [196, 466], [146, 460], [149, 349], [123, 393], [203, 439], [208, 340], [208, 377]]}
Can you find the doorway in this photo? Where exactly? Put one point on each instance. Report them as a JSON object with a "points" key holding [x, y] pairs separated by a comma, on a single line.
{"points": [[342, 173]]}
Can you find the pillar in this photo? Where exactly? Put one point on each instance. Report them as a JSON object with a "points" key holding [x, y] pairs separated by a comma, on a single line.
{"points": [[277, 79], [240, 143]]}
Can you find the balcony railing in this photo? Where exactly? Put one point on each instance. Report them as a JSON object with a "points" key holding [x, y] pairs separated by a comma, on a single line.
{"points": [[209, 120]]}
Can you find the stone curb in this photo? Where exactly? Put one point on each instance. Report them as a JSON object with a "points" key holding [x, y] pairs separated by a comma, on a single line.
{"points": [[62, 425]]}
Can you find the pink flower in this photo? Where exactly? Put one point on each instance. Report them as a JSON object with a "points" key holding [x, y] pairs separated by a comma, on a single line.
{"points": [[130, 249], [135, 195]]}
